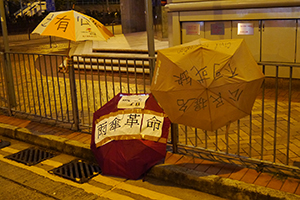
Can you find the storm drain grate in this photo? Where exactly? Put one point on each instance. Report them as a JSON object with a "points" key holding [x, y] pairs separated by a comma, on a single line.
{"points": [[31, 156], [77, 170], [4, 143]]}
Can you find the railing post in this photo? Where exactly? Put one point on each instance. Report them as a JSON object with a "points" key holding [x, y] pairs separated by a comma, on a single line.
{"points": [[112, 28], [9, 82], [174, 137], [70, 66], [150, 36], [5, 80]]}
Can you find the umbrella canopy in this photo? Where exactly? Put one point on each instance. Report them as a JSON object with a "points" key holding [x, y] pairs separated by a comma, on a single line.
{"points": [[206, 84], [129, 135], [72, 25]]}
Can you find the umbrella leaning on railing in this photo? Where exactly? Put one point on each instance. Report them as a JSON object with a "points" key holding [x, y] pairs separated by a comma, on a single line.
{"points": [[206, 84]]}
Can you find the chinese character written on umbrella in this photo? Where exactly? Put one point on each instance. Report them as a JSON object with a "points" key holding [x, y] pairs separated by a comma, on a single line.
{"points": [[133, 125]]}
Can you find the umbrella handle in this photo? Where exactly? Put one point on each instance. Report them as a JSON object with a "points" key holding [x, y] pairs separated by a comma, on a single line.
{"points": [[69, 49]]}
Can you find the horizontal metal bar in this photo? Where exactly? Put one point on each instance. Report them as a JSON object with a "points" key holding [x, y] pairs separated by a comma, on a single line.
{"points": [[39, 54], [120, 51], [121, 56], [283, 64]]}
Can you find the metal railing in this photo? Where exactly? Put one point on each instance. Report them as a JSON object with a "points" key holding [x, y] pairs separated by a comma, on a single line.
{"points": [[43, 91], [266, 140], [99, 79]]}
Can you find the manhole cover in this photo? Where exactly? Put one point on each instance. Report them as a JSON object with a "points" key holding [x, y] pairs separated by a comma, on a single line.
{"points": [[31, 156], [77, 170], [4, 143]]}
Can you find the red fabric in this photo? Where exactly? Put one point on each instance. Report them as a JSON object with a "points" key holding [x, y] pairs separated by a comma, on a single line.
{"points": [[129, 158]]}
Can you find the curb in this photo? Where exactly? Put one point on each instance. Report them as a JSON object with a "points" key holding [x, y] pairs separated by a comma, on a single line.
{"points": [[212, 184], [52, 142], [215, 185]]}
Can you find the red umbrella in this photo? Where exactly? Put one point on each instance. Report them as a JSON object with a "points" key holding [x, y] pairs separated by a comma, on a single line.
{"points": [[128, 141]]}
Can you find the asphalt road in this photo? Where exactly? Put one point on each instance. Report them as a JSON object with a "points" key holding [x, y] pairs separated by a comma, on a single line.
{"points": [[19, 181]]}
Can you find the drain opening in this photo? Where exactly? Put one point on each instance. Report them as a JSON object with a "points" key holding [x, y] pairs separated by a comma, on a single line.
{"points": [[4, 143], [77, 170], [31, 156]]}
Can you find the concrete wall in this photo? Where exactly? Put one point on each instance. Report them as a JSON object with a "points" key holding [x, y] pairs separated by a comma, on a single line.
{"points": [[133, 16], [273, 30]]}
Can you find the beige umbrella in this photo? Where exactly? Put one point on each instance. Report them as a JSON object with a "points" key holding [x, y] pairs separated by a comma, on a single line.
{"points": [[206, 84], [72, 25]]}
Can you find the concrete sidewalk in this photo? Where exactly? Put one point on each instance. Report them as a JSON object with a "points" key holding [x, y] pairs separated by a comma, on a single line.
{"points": [[224, 180]]}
